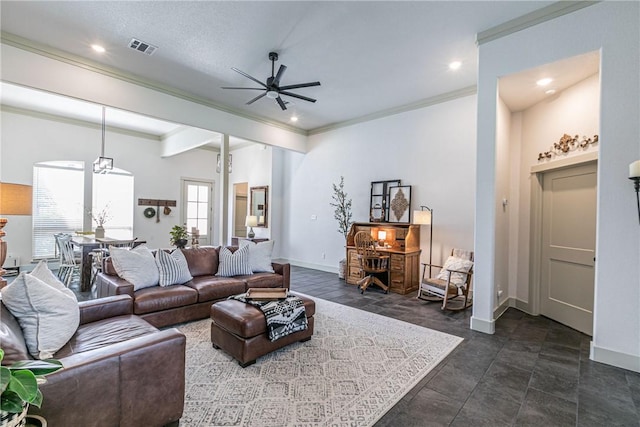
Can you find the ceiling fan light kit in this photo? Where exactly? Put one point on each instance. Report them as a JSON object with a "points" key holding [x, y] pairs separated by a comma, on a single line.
{"points": [[272, 88]]}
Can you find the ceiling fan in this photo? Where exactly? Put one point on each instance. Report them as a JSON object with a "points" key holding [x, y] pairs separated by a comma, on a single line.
{"points": [[272, 88]]}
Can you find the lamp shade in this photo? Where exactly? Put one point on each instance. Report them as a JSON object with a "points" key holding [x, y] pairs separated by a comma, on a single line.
{"points": [[382, 235], [422, 217], [15, 199], [251, 221]]}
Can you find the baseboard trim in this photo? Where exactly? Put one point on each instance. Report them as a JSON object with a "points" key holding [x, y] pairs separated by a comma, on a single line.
{"points": [[313, 266], [481, 325], [499, 310], [614, 358]]}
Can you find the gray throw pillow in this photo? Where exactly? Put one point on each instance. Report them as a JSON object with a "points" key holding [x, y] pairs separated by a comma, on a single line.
{"points": [[234, 263], [173, 268]]}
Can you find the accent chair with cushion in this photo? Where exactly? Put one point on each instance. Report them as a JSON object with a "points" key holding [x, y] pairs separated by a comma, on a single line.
{"points": [[452, 281]]}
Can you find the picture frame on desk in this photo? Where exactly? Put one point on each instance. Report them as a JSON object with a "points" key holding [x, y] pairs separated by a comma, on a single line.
{"points": [[400, 204]]}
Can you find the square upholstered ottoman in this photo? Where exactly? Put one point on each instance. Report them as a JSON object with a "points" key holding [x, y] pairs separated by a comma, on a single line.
{"points": [[240, 329]]}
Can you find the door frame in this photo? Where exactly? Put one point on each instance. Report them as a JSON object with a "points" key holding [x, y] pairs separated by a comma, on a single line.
{"points": [[535, 225]]}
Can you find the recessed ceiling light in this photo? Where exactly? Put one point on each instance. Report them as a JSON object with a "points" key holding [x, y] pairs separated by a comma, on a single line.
{"points": [[550, 91], [455, 65], [294, 118], [98, 48], [544, 82]]}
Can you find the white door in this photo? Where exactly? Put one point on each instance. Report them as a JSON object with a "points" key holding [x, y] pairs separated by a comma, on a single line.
{"points": [[197, 199], [568, 246]]}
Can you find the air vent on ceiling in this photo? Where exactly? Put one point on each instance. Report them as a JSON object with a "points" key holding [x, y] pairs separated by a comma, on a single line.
{"points": [[143, 47]]}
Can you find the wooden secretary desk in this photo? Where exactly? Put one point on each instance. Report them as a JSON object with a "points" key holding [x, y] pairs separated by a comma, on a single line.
{"points": [[402, 244]]}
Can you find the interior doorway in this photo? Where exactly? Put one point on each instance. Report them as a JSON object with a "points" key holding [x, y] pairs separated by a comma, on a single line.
{"points": [[568, 238], [240, 206]]}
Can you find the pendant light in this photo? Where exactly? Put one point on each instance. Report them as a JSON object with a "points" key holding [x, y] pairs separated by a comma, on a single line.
{"points": [[103, 164]]}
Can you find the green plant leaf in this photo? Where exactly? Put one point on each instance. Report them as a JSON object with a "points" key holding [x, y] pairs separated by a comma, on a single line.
{"points": [[24, 384], [5, 377], [38, 367], [11, 402]]}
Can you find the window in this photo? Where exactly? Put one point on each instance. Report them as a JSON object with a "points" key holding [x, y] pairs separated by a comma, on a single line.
{"points": [[113, 192], [58, 194]]}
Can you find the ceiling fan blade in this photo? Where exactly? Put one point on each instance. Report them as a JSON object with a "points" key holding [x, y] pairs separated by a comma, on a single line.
{"points": [[297, 96], [281, 103], [299, 85], [244, 88], [249, 77], [281, 71], [256, 98]]}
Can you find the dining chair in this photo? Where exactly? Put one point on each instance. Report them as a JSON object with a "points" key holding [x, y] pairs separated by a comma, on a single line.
{"points": [[68, 267]]}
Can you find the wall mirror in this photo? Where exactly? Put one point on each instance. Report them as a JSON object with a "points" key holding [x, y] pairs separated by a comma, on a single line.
{"points": [[260, 205]]}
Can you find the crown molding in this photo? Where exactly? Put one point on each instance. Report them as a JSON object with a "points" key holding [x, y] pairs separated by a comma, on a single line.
{"points": [[530, 19], [438, 99], [78, 61]]}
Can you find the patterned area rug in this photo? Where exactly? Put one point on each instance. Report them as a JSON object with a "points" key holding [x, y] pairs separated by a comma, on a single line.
{"points": [[354, 369]]}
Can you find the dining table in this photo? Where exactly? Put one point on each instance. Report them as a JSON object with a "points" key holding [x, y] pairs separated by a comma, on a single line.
{"points": [[86, 245]]}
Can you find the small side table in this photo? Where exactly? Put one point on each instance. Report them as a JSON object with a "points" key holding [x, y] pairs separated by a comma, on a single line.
{"points": [[235, 241]]}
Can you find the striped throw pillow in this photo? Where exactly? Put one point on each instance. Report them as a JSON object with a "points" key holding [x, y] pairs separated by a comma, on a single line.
{"points": [[172, 268], [234, 263]]}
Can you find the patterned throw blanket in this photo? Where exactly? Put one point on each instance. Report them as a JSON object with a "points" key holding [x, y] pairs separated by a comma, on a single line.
{"points": [[284, 316]]}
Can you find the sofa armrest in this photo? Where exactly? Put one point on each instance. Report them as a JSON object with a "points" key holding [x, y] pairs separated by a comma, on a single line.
{"points": [[285, 271], [135, 382], [108, 286], [103, 308]]}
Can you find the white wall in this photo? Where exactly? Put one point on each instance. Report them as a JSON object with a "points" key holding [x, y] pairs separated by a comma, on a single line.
{"points": [[432, 149], [27, 139], [612, 28]]}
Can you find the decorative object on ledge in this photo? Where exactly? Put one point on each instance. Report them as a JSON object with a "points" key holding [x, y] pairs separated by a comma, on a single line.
{"points": [[400, 204], [379, 202], [179, 236], [219, 165], [634, 175], [103, 164], [157, 203], [566, 144], [425, 217]]}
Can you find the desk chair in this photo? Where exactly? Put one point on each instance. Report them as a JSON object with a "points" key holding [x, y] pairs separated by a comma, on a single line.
{"points": [[452, 281], [371, 262]]}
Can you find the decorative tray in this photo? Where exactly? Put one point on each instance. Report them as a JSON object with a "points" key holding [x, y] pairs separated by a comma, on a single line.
{"points": [[267, 294]]}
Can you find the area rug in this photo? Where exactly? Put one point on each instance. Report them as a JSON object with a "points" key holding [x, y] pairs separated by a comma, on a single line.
{"points": [[354, 369]]}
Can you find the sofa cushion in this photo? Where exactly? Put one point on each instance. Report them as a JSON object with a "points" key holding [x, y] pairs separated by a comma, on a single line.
{"points": [[106, 332], [234, 263], [157, 298], [137, 266], [202, 261], [263, 280], [259, 255], [212, 288], [11, 338], [172, 267], [48, 316]]}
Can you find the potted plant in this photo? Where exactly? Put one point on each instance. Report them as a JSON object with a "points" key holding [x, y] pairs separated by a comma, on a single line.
{"points": [[179, 236], [342, 214], [19, 386]]}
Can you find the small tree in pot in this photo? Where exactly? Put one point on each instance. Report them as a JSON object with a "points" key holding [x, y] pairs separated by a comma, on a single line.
{"points": [[342, 214], [179, 236]]}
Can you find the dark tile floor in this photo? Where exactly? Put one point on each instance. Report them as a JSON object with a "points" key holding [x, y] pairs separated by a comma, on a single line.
{"points": [[531, 372]]}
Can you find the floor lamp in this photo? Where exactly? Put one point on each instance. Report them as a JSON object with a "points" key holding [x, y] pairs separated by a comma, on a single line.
{"points": [[425, 217], [15, 199]]}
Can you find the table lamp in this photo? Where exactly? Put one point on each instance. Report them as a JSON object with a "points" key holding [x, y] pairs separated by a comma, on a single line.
{"points": [[251, 221], [382, 236], [15, 199]]}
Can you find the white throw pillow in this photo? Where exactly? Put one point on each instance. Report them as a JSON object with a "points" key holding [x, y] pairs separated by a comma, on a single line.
{"points": [[172, 268], [259, 255], [137, 266], [234, 263], [43, 273], [458, 264], [47, 315]]}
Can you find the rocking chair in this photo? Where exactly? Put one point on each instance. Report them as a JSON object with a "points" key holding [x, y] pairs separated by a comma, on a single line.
{"points": [[453, 281]]}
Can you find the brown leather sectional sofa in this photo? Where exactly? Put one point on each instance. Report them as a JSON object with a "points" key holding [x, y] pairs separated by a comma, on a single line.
{"points": [[162, 306], [118, 369]]}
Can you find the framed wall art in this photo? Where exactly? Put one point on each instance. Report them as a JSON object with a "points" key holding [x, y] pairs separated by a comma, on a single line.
{"points": [[379, 203], [400, 204]]}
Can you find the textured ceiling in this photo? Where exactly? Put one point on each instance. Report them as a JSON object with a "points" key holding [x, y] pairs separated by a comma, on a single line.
{"points": [[369, 56]]}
